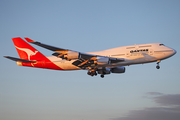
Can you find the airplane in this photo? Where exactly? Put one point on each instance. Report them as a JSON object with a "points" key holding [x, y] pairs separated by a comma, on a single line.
{"points": [[101, 62]]}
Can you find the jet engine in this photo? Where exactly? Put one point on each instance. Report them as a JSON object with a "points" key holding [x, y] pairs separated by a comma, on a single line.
{"points": [[107, 60], [103, 60], [118, 70], [72, 55], [104, 71]]}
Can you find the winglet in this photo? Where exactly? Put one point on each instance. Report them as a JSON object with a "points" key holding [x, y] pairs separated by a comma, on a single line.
{"points": [[29, 40]]}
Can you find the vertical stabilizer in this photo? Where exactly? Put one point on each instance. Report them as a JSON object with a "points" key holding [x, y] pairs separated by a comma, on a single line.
{"points": [[31, 57], [26, 51]]}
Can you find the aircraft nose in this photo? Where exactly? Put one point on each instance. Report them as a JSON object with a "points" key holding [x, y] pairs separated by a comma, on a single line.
{"points": [[174, 52]]}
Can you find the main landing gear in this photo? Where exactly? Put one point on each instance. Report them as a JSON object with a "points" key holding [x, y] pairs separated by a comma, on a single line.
{"points": [[158, 64], [94, 73]]}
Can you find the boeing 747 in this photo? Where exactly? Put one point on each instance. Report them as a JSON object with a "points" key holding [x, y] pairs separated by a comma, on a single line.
{"points": [[100, 62]]}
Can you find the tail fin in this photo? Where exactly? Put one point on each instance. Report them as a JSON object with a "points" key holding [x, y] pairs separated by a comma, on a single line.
{"points": [[26, 51], [30, 57]]}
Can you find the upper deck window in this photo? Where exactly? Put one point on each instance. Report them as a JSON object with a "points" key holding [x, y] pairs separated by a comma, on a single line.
{"points": [[161, 44]]}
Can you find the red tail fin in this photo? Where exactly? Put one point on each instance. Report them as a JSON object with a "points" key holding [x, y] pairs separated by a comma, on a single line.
{"points": [[30, 56], [26, 51]]}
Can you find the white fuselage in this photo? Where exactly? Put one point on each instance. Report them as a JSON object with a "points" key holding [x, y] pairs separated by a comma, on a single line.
{"points": [[134, 54]]}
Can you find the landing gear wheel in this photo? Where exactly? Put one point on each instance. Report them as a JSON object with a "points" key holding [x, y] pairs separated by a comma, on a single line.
{"points": [[157, 66], [102, 76], [89, 73], [92, 74], [95, 74]]}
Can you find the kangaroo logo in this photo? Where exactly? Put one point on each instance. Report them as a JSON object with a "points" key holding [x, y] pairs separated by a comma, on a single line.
{"points": [[28, 51]]}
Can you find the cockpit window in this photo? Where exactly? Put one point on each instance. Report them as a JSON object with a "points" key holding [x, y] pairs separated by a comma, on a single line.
{"points": [[161, 44]]}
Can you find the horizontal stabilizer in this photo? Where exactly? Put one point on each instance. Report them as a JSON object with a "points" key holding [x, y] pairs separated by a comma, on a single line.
{"points": [[18, 59]]}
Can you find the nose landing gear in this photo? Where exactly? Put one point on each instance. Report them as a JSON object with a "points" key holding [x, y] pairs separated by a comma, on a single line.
{"points": [[158, 67], [102, 76]]}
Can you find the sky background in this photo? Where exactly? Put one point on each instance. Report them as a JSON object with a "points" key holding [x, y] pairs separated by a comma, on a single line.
{"points": [[142, 93]]}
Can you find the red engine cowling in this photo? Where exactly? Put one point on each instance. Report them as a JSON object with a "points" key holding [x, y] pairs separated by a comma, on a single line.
{"points": [[118, 70]]}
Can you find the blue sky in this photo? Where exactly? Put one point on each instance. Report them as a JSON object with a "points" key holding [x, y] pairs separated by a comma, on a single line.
{"points": [[139, 94]]}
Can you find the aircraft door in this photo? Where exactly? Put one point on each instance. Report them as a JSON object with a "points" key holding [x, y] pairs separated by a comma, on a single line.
{"points": [[151, 52], [127, 54]]}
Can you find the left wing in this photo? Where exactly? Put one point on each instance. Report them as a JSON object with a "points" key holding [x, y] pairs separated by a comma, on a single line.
{"points": [[83, 60]]}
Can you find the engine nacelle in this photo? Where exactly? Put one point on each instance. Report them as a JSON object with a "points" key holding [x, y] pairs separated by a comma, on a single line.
{"points": [[105, 71], [103, 60], [72, 55], [118, 70]]}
